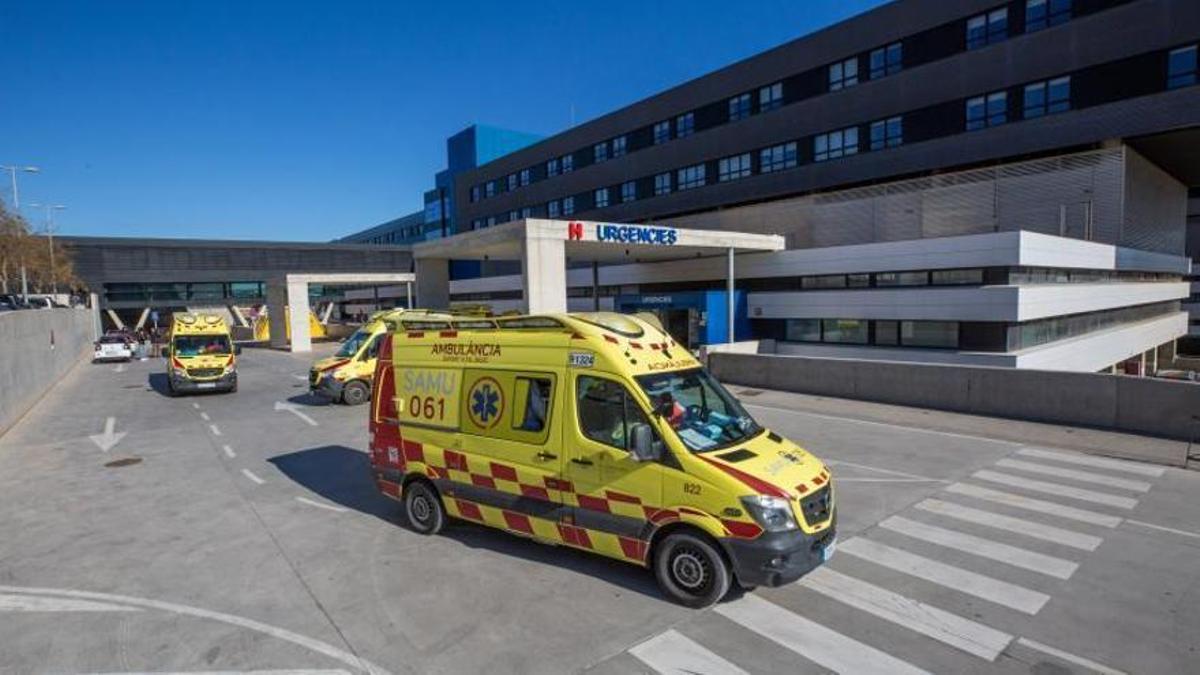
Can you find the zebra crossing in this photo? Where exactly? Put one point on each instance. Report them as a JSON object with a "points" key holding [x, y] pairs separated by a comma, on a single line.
{"points": [[957, 548]]}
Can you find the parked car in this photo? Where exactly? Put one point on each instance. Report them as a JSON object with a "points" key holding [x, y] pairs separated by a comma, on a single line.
{"points": [[113, 348], [13, 301]]}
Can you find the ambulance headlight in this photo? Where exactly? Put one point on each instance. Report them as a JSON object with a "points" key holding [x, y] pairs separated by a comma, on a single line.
{"points": [[773, 513]]}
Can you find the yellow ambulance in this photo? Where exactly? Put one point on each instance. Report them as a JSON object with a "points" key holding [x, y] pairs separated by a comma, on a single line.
{"points": [[200, 355], [596, 431], [346, 376]]}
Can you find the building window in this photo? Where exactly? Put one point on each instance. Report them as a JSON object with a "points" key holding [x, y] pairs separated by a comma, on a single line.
{"points": [[987, 111], [887, 333], [553, 208], [834, 144], [1181, 67], [929, 334], [662, 132], [491, 221], [552, 167], [628, 191], [844, 331], [777, 158], [733, 168], [967, 277], [802, 330], [474, 193], [843, 74], [600, 197], [568, 206], [600, 152], [887, 60], [489, 189], [887, 133], [770, 97], [685, 124], [1052, 96], [888, 279], [690, 177], [739, 107], [568, 163], [987, 29], [526, 211], [1041, 14], [524, 177], [662, 184], [477, 224], [512, 182], [618, 146]]}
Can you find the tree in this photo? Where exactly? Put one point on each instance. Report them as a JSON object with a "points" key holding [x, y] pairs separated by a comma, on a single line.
{"points": [[18, 247]]}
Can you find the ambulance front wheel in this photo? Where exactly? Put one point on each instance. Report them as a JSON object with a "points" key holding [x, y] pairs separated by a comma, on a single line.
{"points": [[356, 393], [690, 570], [424, 508]]}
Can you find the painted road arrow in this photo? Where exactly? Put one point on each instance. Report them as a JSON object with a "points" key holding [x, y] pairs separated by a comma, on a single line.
{"points": [[295, 410], [108, 439]]}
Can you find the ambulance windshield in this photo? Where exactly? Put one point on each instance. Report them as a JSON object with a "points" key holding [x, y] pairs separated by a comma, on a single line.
{"points": [[703, 414], [352, 344]]}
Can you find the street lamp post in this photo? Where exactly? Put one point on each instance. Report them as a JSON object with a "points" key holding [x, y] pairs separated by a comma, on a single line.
{"points": [[13, 170], [50, 209]]}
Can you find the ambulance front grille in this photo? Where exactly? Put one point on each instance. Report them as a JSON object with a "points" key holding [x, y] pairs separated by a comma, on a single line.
{"points": [[816, 506], [204, 372]]}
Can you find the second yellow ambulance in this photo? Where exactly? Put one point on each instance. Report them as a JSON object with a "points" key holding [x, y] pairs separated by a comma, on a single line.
{"points": [[599, 432]]}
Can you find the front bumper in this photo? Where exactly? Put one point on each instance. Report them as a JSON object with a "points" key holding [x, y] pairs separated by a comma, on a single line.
{"points": [[777, 558], [185, 384], [328, 387]]}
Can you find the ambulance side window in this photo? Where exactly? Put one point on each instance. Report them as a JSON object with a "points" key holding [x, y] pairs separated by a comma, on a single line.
{"points": [[372, 349], [532, 403], [606, 411]]}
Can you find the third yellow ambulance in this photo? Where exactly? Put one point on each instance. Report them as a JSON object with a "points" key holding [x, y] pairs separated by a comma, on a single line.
{"points": [[599, 432]]}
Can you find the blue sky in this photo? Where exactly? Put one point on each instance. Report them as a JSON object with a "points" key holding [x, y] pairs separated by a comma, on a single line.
{"points": [[306, 120]]}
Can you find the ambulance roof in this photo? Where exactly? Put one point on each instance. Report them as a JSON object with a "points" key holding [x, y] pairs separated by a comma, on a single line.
{"points": [[198, 324]]}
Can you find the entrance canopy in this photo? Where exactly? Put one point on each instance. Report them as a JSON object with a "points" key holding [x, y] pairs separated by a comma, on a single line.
{"points": [[545, 246], [291, 291]]}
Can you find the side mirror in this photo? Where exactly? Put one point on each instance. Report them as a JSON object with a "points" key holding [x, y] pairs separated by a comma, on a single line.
{"points": [[642, 444]]}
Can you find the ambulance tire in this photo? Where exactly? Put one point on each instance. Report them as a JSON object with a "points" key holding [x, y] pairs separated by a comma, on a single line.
{"points": [[356, 393], [423, 508], [690, 570]]}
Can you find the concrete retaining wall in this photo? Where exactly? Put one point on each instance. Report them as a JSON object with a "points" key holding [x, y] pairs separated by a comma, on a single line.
{"points": [[38, 347], [1139, 405]]}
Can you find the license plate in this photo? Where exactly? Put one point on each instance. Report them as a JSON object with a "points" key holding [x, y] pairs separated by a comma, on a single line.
{"points": [[206, 385], [827, 552]]}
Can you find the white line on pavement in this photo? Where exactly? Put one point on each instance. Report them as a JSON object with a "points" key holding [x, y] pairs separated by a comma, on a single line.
{"points": [[312, 502], [1031, 504], [229, 451], [1057, 489], [204, 416], [985, 548], [889, 480], [811, 640], [1067, 656], [671, 654], [1098, 462], [893, 472], [1074, 474], [889, 425], [1057, 535], [969, 636], [37, 603], [215, 430], [289, 671], [250, 474], [196, 406], [1152, 526], [994, 590], [295, 410], [300, 377]]}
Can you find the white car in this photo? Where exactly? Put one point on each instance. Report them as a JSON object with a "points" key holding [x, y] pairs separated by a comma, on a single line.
{"points": [[113, 348]]}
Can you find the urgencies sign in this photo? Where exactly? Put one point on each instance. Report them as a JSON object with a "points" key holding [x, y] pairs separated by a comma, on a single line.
{"points": [[627, 234]]}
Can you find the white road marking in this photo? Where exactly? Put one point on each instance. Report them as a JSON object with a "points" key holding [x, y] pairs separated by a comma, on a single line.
{"points": [[1075, 474], [38, 603], [295, 410], [204, 416], [120, 368], [892, 472], [229, 451], [1057, 535], [993, 590], [673, 654], [300, 377], [985, 548], [352, 660], [1152, 526], [1056, 489], [108, 440], [890, 480], [196, 406], [811, 640], [1098, 462], [251, 475], [1031, 504], [215, 430], [312, 502], [971, 637], [289, 671], [854, 420], [1067, 656]]}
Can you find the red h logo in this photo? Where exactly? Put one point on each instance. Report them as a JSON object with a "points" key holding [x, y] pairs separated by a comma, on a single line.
{"points": [[574, 231]]}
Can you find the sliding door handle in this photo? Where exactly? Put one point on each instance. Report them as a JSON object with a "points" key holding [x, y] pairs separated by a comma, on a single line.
{"points": [[582, 461], [546, 455]]}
